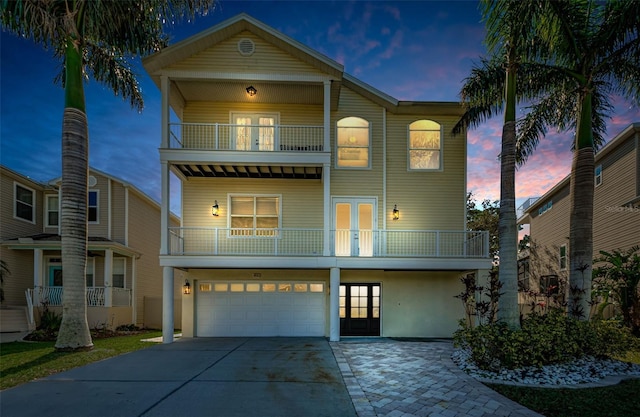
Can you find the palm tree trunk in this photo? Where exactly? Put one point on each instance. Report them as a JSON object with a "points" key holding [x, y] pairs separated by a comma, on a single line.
{"points": [[581, 220], [507, 228], [74, 331]]}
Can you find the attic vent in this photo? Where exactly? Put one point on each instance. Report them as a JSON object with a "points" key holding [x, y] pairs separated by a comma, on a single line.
{"points": [[246, 47], [92, 181]]}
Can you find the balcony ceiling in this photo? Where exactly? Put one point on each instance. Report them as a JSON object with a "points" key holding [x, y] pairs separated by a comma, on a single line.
{"points": [[235, 91], [249, 171]]}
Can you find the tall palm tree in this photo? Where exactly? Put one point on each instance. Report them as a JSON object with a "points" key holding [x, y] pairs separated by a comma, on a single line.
{"points": [[509, 37], [593, 52], [90, 37]]}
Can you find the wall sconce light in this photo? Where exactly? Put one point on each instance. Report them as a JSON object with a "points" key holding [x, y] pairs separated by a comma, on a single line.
{"points": [[215, 209], [186, 288], [396, 212], [251, 91]]}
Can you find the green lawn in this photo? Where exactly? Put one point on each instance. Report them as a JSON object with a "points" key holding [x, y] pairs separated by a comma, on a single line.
{"points": [[22, 362], [622, 400]]}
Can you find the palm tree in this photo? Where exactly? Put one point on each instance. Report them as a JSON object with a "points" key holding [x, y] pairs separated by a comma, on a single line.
{"points": [[89, 37], [509, 36], [593, 53]]}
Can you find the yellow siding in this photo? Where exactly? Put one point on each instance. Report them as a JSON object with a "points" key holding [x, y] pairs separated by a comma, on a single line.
{"points": [[359, 182], [426, 200], [301, 200], [214, 112], [225, 57], [118, 212]]}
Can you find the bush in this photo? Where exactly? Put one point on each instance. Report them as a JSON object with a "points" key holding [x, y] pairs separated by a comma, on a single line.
{"points": [[541, 340]]}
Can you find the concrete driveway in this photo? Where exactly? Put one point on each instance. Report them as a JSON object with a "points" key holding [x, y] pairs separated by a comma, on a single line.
{"points": [[195, 377]]}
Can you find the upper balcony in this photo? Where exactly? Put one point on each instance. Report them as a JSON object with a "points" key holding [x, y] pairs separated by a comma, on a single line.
{"points": [[250, 151]]}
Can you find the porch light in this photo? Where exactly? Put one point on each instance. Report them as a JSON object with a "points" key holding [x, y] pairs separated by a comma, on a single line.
{"points": [[215, 208], [396, 212], [251, 91], [186, 288]]}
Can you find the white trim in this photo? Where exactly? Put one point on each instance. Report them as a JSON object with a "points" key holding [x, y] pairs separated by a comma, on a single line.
{"points": [[384, 168], [109, 208], [596, 176], [254, 196], [15, 202], [126, 216]]}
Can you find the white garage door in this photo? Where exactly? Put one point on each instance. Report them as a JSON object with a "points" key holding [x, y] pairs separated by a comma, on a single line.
{"points": [[260, 309]]}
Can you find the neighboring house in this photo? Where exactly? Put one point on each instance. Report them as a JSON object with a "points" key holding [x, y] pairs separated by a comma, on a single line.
{"points": [[616, 214], [124, 279], [312, 203]]}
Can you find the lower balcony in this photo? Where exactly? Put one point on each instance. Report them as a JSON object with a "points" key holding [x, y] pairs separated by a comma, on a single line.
{"points": [[292, 242]]}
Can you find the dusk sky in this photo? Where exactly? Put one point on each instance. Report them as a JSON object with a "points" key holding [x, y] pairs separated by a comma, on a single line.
{"points": [[410, 50]]}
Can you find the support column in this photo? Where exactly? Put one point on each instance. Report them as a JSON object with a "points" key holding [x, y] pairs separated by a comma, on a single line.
{"points": [[167, 305], [108, 278], [38, 275], [326, 178], [164, 208], [327, 114], [334, 305]]}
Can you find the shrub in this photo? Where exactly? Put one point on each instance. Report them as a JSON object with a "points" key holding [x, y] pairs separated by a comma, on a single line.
{"points": [[542, 340]]}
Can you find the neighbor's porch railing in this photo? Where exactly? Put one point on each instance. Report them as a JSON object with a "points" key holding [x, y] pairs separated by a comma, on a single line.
{"points": [[52, 296], [228, 137], [309, 242]]}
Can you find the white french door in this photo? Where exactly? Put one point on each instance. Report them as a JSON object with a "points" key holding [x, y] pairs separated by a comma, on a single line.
{"points": [[254, 132], [354, 223]]}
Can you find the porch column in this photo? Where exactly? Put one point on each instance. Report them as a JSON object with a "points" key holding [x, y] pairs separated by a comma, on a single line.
{"points": [[134, 284], [167, 304], [38, 275], [327, 114], [326, 178], [164, 208], [334, 305], [164, 110], [108, 278]]}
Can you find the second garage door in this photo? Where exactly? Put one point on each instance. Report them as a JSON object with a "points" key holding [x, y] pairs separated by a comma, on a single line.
{"points": [[260, 309]]}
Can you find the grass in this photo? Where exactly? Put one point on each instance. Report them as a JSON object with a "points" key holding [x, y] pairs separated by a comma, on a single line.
{"points": [[22, 362], [620, 400]]}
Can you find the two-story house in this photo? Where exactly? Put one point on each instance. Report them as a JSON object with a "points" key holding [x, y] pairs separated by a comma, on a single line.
{"points": [[123, 276], [616, 213], [312, 203]]}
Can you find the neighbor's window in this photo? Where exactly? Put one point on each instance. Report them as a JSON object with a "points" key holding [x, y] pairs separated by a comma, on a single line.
{"points": [[353, 144], [563, 257], [118, 273], [92, 209], [53, 210], [89, 275], [254, 215], [425, 145], [24, 203], [598, 175]]}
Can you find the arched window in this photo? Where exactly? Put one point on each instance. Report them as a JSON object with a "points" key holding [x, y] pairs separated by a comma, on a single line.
{"points": [[353, 144], [425, 145]]}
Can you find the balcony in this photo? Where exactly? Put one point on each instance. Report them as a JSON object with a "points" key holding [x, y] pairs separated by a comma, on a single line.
{"points": [[247, 151], [291, 242]]}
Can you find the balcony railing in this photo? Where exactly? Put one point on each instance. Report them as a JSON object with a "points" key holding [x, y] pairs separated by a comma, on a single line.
{"points": [[52, 296], [309, 242], [228, 137]]}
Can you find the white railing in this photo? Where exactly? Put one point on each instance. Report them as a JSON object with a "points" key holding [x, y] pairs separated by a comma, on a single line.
{"points": [[228, 137], [309, 242], [52, 296]]}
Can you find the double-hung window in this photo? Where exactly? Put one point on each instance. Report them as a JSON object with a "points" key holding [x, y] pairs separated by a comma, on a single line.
{"points": [[598, 175], [254, 215], [425, 146], [24, 206], [354, 143], [92, 209], [563, 257], [118, 272], [53, 210]]}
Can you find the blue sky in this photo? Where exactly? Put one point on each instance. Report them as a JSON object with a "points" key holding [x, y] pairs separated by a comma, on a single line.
{"points": [[410, 50]]}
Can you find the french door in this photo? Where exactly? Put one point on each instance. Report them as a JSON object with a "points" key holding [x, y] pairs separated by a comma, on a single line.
{"points": [[359, 309], [254, 132], [354, 224]]}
